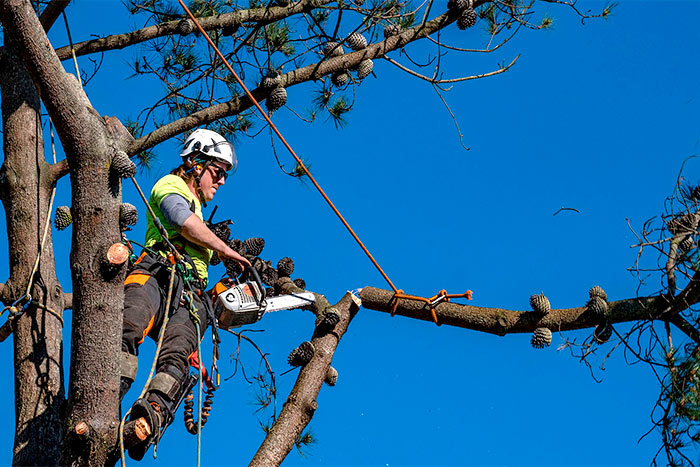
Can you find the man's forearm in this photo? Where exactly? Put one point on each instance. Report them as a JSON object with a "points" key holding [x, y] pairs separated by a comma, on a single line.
{"points": [[197, 232]]}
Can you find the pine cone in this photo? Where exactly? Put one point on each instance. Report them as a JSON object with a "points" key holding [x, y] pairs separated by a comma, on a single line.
{"points": [[597, 291], [215, 260], [185, 27], [340, 79], [233, 268], [237, 246], [128, 216], [271, 80], [364, 68], [686, 244], [269, 276], [457, 5], [332, 49], [254, 246], [221, 230], [270, 292], [229, 30], [467, 19], [603, 332], [302, 354], [285, 267], [391, 30], [63, 217], [540, 304], [541, 338], [687, 223], [276, 99], [696, 193], [597, 306], [328, 320], [122, 165], [356, 41], [331, 378], [299, 282]]}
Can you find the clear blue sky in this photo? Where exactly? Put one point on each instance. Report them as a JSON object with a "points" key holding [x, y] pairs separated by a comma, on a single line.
{"points": [[596, 117]]}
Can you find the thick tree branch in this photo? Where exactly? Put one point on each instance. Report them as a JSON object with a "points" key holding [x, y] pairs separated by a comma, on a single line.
{"points": [[301, 403], [687, 328], [300, 75], [259, 16], [51, 13], [500, 321]]}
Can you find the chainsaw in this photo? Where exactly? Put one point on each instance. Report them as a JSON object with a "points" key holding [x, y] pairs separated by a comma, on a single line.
{"points": [[245, 302]]}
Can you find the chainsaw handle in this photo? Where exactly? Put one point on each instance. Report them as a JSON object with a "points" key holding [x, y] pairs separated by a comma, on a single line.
{"points": [[256, 276]]}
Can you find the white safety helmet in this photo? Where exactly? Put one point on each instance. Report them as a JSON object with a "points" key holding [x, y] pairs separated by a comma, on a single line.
{"points": [[210, 144]]}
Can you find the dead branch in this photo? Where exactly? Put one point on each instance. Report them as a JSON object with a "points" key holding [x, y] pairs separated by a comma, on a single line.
{"points": [[500, 70]]}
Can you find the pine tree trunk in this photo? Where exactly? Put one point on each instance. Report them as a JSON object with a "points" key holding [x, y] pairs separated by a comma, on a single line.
{"points": [[25, 190]]}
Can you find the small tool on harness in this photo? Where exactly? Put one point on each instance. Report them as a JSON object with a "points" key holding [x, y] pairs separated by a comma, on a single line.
{"points": [[245, 303]]}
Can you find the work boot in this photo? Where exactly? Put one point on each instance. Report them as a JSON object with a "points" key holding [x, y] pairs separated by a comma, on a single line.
{"points": [[151, 411]]}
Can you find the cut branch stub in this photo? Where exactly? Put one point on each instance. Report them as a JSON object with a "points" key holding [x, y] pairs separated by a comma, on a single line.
{"points": [[117, 254], [331, 376], [540, 304], [541, 338], [63, 217], [122, 165], [301, 355]]}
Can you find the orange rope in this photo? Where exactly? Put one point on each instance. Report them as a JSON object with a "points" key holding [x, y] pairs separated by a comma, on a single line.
{"points": [[289, 148], [431, 302]]}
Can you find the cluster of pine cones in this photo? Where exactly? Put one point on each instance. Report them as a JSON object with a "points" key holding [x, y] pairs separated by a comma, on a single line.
{"points": [[251, 249], [355, 41]]}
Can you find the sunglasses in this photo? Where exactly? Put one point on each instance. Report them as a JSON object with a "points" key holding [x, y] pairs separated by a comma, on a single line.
{"points": [[219, 173]]}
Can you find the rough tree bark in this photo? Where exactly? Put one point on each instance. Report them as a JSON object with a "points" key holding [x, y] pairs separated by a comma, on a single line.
{"points": [[98, 292], [25, 190], [501, 322], [301, 403]]}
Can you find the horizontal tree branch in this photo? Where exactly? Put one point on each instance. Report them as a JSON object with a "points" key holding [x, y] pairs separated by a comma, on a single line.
{"points": [[301, 403], [501, 321], [300, 75], [253, 15]]}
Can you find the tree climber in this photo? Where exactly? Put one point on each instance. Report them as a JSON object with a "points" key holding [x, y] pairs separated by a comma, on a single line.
{"points": [[176, 200]]}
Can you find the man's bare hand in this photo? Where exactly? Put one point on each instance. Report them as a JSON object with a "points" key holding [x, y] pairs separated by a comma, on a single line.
{"points": [[230, 254]]}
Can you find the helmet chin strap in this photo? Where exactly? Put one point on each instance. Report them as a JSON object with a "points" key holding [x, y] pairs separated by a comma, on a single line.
{"points": [[197, 178]]}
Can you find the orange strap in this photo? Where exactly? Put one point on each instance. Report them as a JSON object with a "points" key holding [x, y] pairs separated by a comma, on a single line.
{"points": [[136, 278], [431, 303]]}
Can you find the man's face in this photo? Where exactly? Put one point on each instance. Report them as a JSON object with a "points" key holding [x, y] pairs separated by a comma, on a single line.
{"points": [[212, 178]]}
